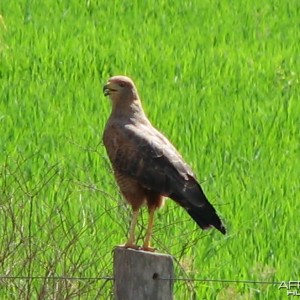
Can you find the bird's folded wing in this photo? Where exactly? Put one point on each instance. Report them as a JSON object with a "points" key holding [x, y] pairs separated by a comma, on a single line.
{"points": [[145, 155]]}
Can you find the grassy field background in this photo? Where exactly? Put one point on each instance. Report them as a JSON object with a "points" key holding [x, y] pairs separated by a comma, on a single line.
{"points": [[219, 78]]}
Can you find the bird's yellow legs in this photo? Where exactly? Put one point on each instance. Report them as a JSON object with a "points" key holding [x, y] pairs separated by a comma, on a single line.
{"points": [[131, 241], [146, 245]]}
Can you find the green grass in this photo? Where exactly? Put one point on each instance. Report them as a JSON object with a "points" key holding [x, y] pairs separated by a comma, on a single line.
{"points": [[219, 78]]}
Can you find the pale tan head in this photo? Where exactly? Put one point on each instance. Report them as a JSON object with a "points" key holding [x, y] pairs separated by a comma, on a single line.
{"points": [[120, 88]]}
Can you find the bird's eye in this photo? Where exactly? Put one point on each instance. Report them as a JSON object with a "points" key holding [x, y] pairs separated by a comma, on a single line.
{"points": [[121, 84]]}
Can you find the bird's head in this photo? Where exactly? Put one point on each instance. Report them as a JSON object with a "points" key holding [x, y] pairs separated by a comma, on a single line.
{"points": [[120, 88]]}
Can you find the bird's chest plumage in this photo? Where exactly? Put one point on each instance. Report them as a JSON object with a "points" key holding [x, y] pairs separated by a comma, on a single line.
{"points": [[116, 144]]}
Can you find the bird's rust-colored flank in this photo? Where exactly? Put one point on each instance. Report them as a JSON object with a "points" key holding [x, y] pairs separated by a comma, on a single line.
{"points": [[147, 167]]}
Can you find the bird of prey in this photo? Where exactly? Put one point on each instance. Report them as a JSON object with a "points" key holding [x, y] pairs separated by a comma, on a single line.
{"points": [[146, 166]]}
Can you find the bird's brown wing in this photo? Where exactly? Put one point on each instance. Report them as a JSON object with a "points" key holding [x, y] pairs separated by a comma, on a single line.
{"points": [[145, 155]]}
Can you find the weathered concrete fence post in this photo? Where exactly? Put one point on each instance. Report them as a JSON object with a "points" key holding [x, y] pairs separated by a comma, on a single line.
{"points": [[137, 273]]}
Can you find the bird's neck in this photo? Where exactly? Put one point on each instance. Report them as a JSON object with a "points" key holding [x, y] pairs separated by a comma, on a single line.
{"points": [[132, 109]]}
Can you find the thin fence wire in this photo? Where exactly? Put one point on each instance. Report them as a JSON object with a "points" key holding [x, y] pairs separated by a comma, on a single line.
{"points": [[56, 278], [221, 280], [156, 278]]}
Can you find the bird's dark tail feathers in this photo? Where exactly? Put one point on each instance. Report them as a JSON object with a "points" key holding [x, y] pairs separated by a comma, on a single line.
{"points": [[194, 201], [206, 217]]}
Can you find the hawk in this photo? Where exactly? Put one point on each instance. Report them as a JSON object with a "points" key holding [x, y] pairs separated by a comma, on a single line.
{"points": [[146, 166]]}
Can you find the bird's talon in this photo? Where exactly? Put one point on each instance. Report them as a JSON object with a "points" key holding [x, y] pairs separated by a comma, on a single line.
{"points": [[148, 249], [130, 246]]}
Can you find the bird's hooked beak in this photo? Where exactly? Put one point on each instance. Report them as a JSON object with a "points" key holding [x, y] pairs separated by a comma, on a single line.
{"points": [[106, 89]]}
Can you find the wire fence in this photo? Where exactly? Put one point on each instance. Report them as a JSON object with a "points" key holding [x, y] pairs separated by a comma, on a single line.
{"points": [[56, 278], [222, 280], [237, 281]]}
